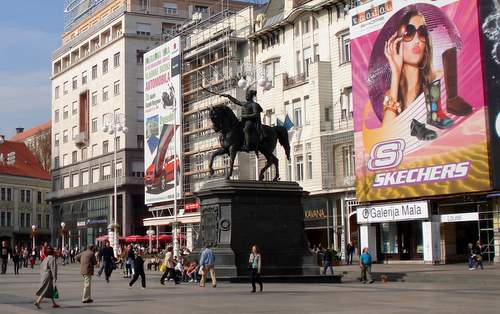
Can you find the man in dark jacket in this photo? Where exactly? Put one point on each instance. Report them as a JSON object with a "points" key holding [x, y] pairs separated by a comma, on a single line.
{"points": [[4, 254], [87, 262], [107, 258], [138, 271]]}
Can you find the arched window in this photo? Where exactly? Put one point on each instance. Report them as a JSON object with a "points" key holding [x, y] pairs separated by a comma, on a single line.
{"points": [[315, 23]]}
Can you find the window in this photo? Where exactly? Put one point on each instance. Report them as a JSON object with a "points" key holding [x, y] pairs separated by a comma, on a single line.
{"points": [[269, 72], [309, 166], [65, 112], [105, 66], [316, 52], [28, 219], [75, 180], [9, 194], [9, 219], [84, 153], [144, 4], [327, 114], [75, 83], [299, 168], [2, 194], [85, 178], [65, 160], [95, 175], [94, 125], [117, 143], [56, 115], [56, 162], [39, 197], [143, 29], [21, 220], [296, 30], [305, 26], [346, 104], [74, 132], [298, 62], [65, 87], [170, 8], [307, 60], [66, 182], [74, 157], [139, 56], [94, 72], [140, 114], [39, 220], [106, 172], [94, 150], [315, 23], [56, 139], [116, 59], [84, 77], [201, 8], [2, 219], [348, 160], [116, 88], [56, 92], [140, 141], [65, 136], [346, 48], [105, 93], [47, 221], [307, 111], [119, 169], [74, 108], [105, 147], [22, 196], [94, 98], [297, 114], [137, 169]]}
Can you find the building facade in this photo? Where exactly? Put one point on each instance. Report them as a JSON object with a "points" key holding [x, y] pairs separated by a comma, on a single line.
{"points": [[38, 140], [303, 49], [24, 187]]}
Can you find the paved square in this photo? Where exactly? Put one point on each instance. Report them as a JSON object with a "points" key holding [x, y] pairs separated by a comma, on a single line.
{"points": [[426, 289]]}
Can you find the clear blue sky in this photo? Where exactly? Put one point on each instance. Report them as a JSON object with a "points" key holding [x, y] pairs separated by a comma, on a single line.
{"points": [[30, 30]]}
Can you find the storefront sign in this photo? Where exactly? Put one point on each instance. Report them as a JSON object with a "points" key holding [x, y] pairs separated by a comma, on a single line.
{"points": [[81, 223], [459, 217], [429, 138], [393, 212], [315, 214]]}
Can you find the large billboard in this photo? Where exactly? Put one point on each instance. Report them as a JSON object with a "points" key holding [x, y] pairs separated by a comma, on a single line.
{"points": [[162, 123], [419, 105]]}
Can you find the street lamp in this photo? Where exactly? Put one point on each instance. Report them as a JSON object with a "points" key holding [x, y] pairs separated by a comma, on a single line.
{"points": [[33, 234], [114, 124], [150, 233], [63, 224]]}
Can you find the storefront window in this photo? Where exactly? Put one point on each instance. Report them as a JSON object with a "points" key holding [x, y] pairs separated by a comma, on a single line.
{"points": [[388, 238]]}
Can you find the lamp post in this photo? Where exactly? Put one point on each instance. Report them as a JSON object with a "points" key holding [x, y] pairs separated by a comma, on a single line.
{"points": [[63, 224], [113, 124], [150, 233], [33, 233]]}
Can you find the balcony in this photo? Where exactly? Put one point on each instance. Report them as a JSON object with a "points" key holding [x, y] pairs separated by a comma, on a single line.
{"points": [[81, 139], [292, 81]]}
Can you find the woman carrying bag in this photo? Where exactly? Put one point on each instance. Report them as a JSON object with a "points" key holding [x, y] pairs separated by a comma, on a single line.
{"points": [[254, 265], [48, 272]]}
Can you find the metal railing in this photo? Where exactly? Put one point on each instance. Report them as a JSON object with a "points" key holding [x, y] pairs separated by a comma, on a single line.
{"points": [[291, 81]]}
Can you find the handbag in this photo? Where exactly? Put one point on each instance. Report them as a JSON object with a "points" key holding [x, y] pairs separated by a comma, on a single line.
{"points": [[55, 294], [163, 268]]}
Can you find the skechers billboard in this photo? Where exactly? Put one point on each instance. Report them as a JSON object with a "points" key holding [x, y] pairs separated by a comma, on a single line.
{"points": [[162, 121], [419, 106]]}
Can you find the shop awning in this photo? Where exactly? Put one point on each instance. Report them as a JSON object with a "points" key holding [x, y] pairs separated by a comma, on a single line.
{"points": [[193, 218]]}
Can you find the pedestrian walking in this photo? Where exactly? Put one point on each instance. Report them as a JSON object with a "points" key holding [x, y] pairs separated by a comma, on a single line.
{"points": [[327, 261], [16, 258], [170, 264], [43, 251], [72, 255], [48, 272], [107, 257], [478, 255], [138, 271], [255, 266], [129, 262], [470, 256], [350, 252], [365, 263], [4, 255], [87, 262], [26, 257], [207, 265]]}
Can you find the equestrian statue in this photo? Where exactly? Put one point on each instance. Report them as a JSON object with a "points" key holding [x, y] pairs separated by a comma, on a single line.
{"points": [[246, 135]]}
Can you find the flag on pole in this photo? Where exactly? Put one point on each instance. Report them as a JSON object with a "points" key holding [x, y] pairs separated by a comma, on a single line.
{"points": [[288, 124]]}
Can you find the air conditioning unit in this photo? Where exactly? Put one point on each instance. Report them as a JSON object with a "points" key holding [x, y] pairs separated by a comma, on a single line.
{"points": [[81, 139]]}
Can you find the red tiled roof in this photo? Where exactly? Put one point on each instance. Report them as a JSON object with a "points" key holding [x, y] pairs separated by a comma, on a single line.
{"points": [[19, 137], [26, 163]]}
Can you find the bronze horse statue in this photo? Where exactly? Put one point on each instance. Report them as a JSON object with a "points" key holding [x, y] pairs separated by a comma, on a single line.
{"points": [[232, 140]]}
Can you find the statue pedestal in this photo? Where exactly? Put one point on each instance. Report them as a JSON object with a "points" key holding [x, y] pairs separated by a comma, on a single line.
{"points": [[237, 214]]}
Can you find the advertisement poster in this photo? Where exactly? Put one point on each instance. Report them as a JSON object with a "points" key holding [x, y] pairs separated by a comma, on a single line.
{"points": [[419, 105], [162, 123], [490, 24]]}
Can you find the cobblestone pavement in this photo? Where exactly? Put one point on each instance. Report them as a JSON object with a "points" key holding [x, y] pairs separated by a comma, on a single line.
{"points": [[453, 289]]}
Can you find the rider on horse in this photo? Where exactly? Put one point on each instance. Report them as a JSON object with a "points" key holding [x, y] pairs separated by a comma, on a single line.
{"points": [[250, 118]]}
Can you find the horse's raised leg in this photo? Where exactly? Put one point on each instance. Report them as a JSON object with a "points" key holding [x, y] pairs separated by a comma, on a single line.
{"points": [[276, 166], [232, 156], [269, 163], [220, 151]]}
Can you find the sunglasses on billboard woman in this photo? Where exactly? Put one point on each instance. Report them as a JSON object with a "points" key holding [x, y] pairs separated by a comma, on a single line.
{"points": [[409, 30]]}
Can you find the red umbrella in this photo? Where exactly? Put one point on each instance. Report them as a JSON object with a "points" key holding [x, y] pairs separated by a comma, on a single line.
{"points": [[102, 238], [165, 238], [134, 238]]}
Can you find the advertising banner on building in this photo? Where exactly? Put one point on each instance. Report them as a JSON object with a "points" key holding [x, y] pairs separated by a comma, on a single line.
{"points": [[162, 123], [419, 105], [490, 24]]}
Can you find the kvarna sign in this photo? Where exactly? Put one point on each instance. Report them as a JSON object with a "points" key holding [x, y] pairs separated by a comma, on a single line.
{"points": [[393, 212]]}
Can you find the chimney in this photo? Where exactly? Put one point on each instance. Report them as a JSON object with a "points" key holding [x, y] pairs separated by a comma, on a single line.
{"points": [[19, 130]]}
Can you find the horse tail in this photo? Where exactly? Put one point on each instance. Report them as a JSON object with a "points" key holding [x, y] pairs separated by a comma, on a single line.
{"points": [[283, 139]]}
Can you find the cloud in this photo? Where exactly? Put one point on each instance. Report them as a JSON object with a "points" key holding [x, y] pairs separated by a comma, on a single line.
{"points": [[25, 99]]}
